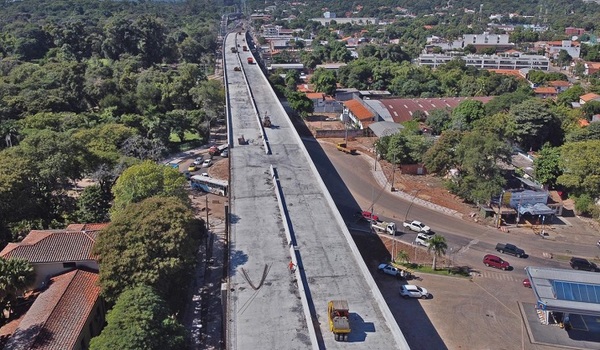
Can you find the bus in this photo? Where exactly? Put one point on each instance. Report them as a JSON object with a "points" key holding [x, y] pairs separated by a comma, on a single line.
{"points": [[175, 163], [210, 185]]}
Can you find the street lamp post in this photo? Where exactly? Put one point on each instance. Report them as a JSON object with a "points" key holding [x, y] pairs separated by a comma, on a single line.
{"points": [[392, 189], [411, 203]]}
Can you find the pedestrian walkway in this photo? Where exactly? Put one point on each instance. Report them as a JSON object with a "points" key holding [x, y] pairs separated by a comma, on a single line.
{"points": [[495, 275], [203, 316]]}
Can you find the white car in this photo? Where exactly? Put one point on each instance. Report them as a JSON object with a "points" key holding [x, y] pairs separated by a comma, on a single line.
{"points": [[390, 270], [412, 291], [206, 163], [198, 161]]}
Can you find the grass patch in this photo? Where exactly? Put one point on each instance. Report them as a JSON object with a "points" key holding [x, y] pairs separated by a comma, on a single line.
{"points": [[187, 136]]}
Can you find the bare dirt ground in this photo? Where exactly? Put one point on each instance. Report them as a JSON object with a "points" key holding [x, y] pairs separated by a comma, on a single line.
{"points": [[429, 188]]}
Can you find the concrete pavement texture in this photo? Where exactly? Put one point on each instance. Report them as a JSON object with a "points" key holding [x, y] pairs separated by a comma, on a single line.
{"points": [[270, 308]]}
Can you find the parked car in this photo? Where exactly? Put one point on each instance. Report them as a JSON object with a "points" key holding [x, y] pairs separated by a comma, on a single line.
{"points": [[225, 153], [367, 215], [412, 291], [390, 270], [527, 283], [423, 238], [192, 167], [206, 163], [198, 160], [582, 264], [494, 261]]}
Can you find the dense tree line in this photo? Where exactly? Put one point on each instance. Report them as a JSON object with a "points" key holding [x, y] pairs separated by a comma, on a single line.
{"points": [[89, 88]]}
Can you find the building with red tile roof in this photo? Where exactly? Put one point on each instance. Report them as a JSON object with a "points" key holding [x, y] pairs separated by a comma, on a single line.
{"points": [[559, 85], [358, 113], [545, 92], [65, 316], [588, 97], [591, 67], [52, 252]]}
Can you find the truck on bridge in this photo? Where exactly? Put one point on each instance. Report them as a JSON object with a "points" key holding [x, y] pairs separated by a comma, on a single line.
{"points": [[339, 319]]}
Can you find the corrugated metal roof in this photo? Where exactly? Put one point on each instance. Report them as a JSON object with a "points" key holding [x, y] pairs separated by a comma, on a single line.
{"points": [[403, 108]]}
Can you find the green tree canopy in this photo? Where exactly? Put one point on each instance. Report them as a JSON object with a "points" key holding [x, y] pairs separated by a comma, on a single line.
{"points": [[580, 166], [547, 165], [16, 275], [535, 124], [140, 319], [146, 180], [324, 81], [152, 242], [466, 113]]}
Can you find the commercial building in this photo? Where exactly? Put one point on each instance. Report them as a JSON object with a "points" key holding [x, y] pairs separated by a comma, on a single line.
{"points": [[565, 296], [512, 61]]}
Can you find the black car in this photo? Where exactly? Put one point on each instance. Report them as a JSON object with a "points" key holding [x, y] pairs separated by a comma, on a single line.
{"points": [[582, 264]]}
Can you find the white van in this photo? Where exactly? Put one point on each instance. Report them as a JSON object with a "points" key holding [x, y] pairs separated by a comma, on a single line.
{"points": [[423, 239]]}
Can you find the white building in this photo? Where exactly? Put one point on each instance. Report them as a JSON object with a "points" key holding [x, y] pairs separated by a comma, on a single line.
{"points": [[513, 61]]}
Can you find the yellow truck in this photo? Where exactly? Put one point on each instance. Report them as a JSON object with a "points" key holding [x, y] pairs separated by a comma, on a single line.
{"points": [[339, 319], [343, 147]]}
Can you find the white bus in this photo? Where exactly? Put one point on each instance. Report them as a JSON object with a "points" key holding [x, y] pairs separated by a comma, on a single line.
{"points": [[210, 185]]}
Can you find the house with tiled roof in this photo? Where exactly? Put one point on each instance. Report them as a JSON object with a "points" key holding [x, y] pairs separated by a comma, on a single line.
{"points": [[591, 67], [583, 99], [545, 92], [65, 316], [357, 113], [52, 252], [559, 85]]}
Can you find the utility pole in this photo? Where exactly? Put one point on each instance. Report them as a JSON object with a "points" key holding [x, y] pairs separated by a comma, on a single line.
{"points": [[393, 172]]}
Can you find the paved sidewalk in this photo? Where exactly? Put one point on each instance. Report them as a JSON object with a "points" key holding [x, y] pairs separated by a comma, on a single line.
{"points": [[203, 316]]}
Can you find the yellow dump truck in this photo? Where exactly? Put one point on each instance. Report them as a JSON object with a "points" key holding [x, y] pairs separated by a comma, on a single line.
{"points": [[342, 146], [339, 319]]}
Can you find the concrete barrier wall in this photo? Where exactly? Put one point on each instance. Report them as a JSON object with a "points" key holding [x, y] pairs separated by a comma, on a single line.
{"points": [[320, 133]]}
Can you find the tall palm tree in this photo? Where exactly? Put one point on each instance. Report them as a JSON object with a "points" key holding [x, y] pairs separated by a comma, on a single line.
{"points": [[438, 245]]}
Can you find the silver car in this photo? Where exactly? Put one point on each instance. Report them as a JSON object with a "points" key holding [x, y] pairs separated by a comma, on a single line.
{"points": [[412, 291]]}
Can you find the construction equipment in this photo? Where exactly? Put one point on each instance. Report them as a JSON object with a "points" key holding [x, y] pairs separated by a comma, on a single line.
{"points": [[342, 146], [339, 319]]}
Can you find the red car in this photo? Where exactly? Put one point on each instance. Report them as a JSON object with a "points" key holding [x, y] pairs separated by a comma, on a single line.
{"points": [[367, 215], [527, 283], [494, 261]]}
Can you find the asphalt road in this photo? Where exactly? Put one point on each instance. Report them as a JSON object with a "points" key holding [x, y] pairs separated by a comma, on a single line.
{"points": [[353, 188], [478, 313]]}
